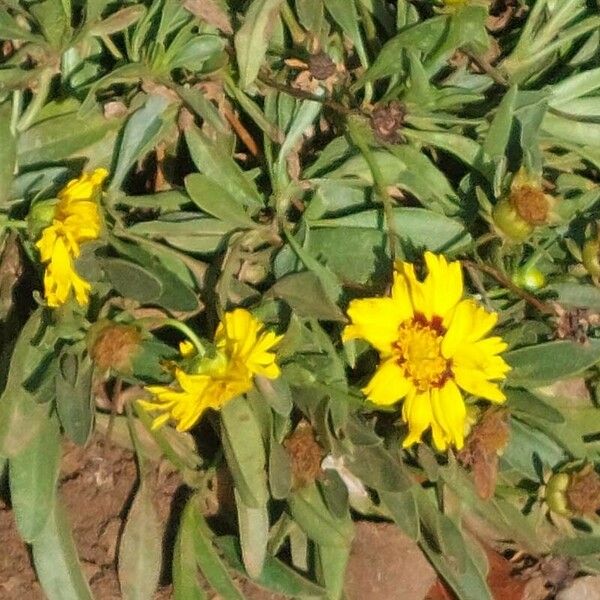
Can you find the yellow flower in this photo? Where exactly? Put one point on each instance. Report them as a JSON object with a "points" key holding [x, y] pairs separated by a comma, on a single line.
{"points": [[243, 350], [432, 344], [76, 220]]}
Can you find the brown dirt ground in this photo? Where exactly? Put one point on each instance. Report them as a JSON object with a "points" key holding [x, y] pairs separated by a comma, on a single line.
{"points": [[97, 482]]}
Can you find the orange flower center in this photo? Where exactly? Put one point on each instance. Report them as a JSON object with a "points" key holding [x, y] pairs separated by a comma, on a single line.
{"points": [[419, 352]]}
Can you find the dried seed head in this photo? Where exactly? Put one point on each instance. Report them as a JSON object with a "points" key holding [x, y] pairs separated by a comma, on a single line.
{"points": [[485, 442], [531, 204], [305, 453], [583, 491], [321, 66], [387, 120], [113, 345], [574, 324]]}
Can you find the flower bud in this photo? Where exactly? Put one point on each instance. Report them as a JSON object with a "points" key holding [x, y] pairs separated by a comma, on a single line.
{"points": [[531, 279], [555, 495], [508, 221], [583, 491], [40, 216], [526, 207], [590, 256]]}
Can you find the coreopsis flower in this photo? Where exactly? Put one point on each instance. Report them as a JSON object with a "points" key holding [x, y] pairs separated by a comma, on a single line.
{"points": [[432, 343], [76, 220], [243, 349]]}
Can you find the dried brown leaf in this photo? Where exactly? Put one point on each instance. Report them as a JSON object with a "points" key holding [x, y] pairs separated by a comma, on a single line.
{"points": [[210, 12]]}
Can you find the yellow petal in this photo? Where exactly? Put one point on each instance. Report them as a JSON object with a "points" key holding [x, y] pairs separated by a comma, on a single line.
{"points": [[375, 320], [449, 412], [443, 284], [473, 382], [416, 411], [388, 385], [469, 323]]}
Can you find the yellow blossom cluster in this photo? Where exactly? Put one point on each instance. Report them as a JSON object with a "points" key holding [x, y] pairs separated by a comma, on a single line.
{"points": [[242, 350], [432, 343], [76, 220]]}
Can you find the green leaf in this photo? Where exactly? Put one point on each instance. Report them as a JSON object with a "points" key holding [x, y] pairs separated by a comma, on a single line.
{"points": [[217, 164], [141, 548], [423, 36], [457, 559], [74, 395], [345, 15], [207, 559], [33, 476], [21, 417], [132, 281], [186, 584], [527, 404], [117, 21], [244, 451], [314, 517], [534, 366], [215, 200], [8, 153], [332, 568], [11, 30], [403, 509], [579, 546], [528, 446], [141, 133], [254, 535], [275, 576], [56, 562], [252, 38], [63, 136], [305, 294]]}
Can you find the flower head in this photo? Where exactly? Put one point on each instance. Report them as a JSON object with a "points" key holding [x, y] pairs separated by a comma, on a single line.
{"points": [[432, 344], [76, 220], [242, 350], [525, 207]]}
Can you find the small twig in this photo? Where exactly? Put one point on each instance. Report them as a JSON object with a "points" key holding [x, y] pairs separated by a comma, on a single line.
{"points": [[241, 131], [296, 93], [543, 307], [487, 68]]}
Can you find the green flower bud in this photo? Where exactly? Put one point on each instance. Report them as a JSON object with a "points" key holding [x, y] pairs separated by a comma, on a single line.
{"points": [[556, 496], [590, 256], [40, 216], [531, 279], [508, 222]]}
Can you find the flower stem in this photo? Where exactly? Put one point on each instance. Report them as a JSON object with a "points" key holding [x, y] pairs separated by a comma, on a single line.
{"points": [[31, 112], [175, 324], [379, 183], [12, 223]]}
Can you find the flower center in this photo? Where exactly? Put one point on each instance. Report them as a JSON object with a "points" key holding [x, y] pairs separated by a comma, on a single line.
{"points": [[419, 352]]}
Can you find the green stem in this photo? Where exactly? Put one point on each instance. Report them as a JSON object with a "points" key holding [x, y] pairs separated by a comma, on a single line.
{"points": [[297, 32], [380, 186], [175, 324], [12, 223], [17, 105], [31, 112]]}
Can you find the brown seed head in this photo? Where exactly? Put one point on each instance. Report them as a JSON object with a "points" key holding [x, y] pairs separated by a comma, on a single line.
{"points": [[321, 66], [486, 440], [387, 120], [113, 346], [306, 455], [530, 203], [583, 492]]}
